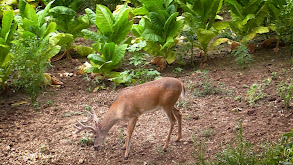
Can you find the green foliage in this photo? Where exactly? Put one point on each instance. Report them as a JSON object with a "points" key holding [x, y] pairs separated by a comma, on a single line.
{"points": [[7, 5], [111, 38], [286, 92], [200, 16], [254, 93], [242, 56], [248, 17], [110, 27], [207, 87], [6, 36], [86, 140], [280, 153], [30, 61], [110, 59], [241, 154], [159, 28], [284, 23], [140, 73], [198, 153]]}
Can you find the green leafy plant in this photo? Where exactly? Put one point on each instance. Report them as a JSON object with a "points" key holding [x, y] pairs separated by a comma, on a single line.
{"points": [[248, 17], [64, 14], [286, 92], [86, 140], [242, 56], [7, 31], [112, 31], [159, 28], [200, 16], [254, 93], [242, 153], [279, 153]]}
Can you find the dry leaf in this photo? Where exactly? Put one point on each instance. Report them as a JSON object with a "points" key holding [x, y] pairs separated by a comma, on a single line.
{"points": [[160, 62]]}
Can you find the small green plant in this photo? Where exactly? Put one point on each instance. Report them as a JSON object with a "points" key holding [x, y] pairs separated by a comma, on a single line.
{"points": [[207, 132], [286, 92], [274, 75], [279, 153], [254, 93], [121, 136], [242, 56], [198, 153], [241, 154], [86, 140], [44, 149]]}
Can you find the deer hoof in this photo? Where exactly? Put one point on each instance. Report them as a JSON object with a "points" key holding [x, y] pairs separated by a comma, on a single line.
{"points": [[125, 157], [96, 148]]}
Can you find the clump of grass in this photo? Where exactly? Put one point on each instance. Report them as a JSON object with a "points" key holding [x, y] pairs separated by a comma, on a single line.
{"points": [[242, 56], [254, 93], [285, 90], [86, 139]]}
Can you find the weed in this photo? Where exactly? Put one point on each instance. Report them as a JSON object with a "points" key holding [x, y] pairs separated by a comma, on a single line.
{"points": [[69, 114], [242, 56], [44, 149], [86, 140], [254, 93], [238, 98], [208, 88], [207, 132], [198, 153], [286, 92], [88, 108], [241, 154], [274, 75], [178, 70], [121, 136]]}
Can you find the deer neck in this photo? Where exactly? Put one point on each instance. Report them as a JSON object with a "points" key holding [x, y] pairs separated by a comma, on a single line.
{"points": [[107, 123]]}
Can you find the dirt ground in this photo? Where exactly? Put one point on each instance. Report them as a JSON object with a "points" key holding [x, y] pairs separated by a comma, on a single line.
{"points": [[44, 135]]}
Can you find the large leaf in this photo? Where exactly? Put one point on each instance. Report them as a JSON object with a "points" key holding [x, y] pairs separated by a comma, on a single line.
{"points": [[119, 53], [257, 30], [42, 14], [204, 37], [121, 34], [84, 50], [63, 39], [91, 15], [6, 24], [108, 51], [104, 19], [91, 35], [51, 28], [31, 15], [62, 10], [52, 51], [153, 5], [96, 59], [217, 42]]}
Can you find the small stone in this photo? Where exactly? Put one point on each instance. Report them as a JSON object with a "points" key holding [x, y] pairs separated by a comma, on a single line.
{"points": [[80, 161], [185, 143]]}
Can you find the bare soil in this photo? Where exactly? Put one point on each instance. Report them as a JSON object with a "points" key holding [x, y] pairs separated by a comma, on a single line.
{"points": [[44, 135]]}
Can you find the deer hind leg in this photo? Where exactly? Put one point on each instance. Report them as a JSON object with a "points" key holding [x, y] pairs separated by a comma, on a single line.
{"points": [[172, 123], [178, 116], [130, 128]]}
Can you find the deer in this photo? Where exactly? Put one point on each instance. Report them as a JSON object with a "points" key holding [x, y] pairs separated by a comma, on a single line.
{"points": [[131, 103]]}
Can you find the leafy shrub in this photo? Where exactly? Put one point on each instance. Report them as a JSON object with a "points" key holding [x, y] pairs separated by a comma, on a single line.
{"points": [[30, 63], [286, 92], [242, 56]]}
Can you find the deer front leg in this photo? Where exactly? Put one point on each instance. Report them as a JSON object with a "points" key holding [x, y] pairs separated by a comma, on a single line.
{"points": [[130, 128], [178, 116], [172, 123]]}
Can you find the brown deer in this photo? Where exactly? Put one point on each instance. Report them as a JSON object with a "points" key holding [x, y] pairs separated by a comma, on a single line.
{"points": [[132, 102]]}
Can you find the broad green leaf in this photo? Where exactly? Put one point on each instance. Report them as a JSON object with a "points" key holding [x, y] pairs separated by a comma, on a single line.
{"points": [[247, 18], [31, 15], [51, 28], [52, 51], [171, 57], [170, 20], [217, 42], [218, 26], [109, 51], [91, 15], [122, 32], [213, 12], [119, 53], [91, 35], [21, 6], [204, 37], [153, 48], [104, 19], [6, 60], [64, 39], [96, 59], [63, 10], [151, 35], [257, 30], [169, 43], [175, 28], [6, 24], [42, 14], [153, 5], [84, 50], [140, 11], [235, 7]]}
